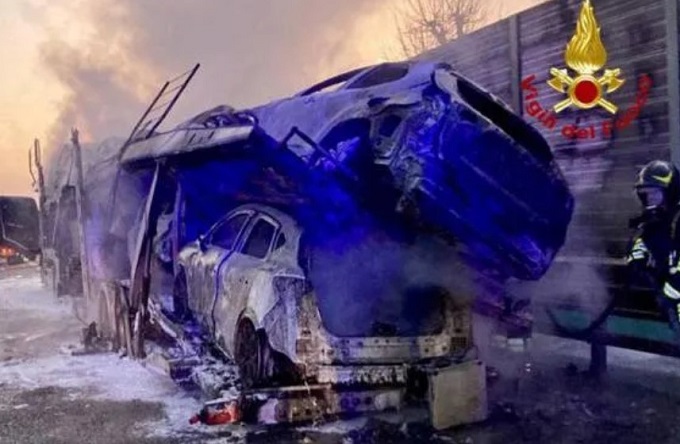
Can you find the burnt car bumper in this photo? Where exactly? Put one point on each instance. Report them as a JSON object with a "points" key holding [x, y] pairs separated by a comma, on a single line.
{"points": [[335, 359]]}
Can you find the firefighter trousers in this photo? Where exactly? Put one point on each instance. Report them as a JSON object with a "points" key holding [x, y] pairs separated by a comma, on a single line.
{"points": [[671, 309]]}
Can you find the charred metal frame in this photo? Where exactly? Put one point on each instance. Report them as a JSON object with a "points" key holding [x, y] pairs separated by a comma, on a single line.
{"points": [[178, 90], [295, 131], [81, 211], [138, 292], [166, 106], [329, 359], [141, 266]]}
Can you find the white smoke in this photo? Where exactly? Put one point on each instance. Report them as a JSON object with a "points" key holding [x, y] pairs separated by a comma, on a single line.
{"points": [[250, 51]]}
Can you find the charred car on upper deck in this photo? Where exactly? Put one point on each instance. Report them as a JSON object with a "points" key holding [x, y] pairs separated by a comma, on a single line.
{"points": [[421, 139]]}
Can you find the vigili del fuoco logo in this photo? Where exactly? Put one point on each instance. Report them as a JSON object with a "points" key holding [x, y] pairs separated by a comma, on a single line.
{"points": [[583, 86]]}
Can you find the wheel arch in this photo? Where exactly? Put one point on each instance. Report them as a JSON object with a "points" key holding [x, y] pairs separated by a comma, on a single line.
{"points": [[246, 315]]}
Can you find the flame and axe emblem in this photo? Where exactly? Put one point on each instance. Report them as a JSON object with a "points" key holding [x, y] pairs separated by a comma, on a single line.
{"points": [[585, 54]]}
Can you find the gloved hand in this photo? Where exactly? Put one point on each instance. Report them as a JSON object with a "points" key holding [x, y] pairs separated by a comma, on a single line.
{"points": [[673, 265], [640, 254], [671, 288]]}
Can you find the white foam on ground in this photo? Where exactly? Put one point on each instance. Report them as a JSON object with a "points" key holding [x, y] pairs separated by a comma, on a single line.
{"points": [[103, 376], [22, 290]]}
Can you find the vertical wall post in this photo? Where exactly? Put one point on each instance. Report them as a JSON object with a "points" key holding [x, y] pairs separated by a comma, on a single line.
{"points": [[515, 63], [672, 68]]}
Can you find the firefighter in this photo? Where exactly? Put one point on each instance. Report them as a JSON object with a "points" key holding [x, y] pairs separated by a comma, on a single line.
{"points": [[655, 248]]}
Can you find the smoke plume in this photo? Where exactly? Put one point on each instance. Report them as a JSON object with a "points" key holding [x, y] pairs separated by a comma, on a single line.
{"points": [[250, 51], [364, 280], [576, 282]]}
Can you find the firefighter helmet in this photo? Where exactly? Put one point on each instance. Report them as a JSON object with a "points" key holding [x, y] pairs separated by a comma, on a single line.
{"points": [[658, 184]]}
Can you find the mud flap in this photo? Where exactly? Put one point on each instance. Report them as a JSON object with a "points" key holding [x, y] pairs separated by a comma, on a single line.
{"points": [[457, 394]]}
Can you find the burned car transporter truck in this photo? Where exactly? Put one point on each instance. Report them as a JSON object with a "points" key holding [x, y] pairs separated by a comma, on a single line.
{"points": [[327, 238]]}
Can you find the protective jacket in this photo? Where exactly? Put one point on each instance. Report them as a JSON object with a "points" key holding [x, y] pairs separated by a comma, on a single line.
{"points": [[653, 259]]}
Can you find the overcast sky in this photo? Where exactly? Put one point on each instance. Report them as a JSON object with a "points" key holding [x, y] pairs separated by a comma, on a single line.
{"points": [[96, 63]]}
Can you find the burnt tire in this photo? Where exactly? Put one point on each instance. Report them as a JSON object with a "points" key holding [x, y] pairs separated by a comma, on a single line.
{"points": [[253, 355]]}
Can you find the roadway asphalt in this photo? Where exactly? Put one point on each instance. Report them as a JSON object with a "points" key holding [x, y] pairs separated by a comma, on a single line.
{"points": [[49, 396]]}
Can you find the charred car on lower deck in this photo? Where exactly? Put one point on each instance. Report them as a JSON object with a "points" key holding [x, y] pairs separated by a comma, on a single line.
{"points": [[247, 282], [426, 142]]}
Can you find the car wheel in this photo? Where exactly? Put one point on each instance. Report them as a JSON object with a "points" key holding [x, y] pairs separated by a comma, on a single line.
{"points": [[253, 355]]}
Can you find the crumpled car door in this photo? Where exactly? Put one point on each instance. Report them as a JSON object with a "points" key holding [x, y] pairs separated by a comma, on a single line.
{"points": [[243, 277], [207, 265], [245, 282], [220, 244]]}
